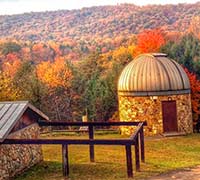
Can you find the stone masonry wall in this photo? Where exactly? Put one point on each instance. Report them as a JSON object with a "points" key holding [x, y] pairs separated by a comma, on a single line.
{"points": [[143, 108], [17, 158]]}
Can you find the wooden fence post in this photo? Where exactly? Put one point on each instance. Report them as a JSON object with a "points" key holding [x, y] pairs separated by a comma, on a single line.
{"points": [[142, 144], [137, 154], [65, 160], [91, 137], [129, 161]]}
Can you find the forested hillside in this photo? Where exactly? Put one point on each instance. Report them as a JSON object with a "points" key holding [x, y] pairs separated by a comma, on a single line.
{"points": [[67, 63], [96, 23]]}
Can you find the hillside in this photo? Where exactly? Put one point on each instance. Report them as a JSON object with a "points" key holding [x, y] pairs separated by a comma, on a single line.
{"points": [[97, 22], [67, 62]]}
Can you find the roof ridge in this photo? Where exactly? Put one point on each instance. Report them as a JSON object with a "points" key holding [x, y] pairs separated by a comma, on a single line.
{"points": [[153, 55], [13, 114], [6, 102]]}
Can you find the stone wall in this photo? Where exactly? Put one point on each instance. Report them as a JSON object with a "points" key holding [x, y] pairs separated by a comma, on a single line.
{"points": [[17, 158], [145, 108]]}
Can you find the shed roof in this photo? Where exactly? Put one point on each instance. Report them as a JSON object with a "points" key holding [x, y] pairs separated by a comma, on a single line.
{"points": [[11, 112], [153, 74]]}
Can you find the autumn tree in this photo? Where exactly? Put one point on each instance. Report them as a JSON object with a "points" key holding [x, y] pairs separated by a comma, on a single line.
{"points": [[195, 94], [10, 47], [123, 55], [174, 36], [194, 27], [30, 88], [57, 76], [150, 41], [8, 92], [100, 74], [11, 67]]}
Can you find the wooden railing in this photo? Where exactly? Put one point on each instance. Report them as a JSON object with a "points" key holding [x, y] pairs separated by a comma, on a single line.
{"points": [[136, 139]]}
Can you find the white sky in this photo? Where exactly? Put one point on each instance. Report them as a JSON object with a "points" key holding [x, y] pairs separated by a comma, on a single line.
{"points": [[21, 6]]}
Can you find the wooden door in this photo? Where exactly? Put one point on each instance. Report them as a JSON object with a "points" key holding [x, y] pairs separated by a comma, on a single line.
{"points": [[169, 116]]}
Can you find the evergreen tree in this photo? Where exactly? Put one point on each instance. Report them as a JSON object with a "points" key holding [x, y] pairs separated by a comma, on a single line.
{"points": [[185, 52]]}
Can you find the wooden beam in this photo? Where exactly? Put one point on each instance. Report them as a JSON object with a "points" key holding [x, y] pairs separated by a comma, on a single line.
{"points": [[137, 154], [66, 123], [137, 131], [142, 145], [129, 164], [91, 137], [134, 140], [65, 160], [70, 141]]}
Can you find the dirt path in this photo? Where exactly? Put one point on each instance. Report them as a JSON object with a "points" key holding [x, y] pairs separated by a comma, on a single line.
{"points": [[185, 174]]}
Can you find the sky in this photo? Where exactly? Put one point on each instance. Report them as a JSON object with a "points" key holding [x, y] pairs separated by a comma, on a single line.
{"points": [[22, 6]]}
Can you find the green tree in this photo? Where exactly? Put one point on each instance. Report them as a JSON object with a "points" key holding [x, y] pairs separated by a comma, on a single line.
{"points": [[30, 87], [185, 52], [100, 75], [10, 47]]}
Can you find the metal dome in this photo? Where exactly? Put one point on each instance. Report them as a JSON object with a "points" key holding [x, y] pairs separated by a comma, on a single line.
{"points": [[153, 74]]}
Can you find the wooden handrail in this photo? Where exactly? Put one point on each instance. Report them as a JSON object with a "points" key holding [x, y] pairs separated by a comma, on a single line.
{"points": [[137, 131], [98, 123], [70, 141], [133, 140], [138, 134]]}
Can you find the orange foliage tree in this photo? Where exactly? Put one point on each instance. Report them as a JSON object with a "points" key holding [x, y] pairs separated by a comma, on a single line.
{"points": [[55, 47], [149, 41], [54, 74], [57, 76], [195, 26], [195, 94], [11, 67]]}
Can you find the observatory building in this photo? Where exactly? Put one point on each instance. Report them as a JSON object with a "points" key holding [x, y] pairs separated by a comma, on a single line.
{"points": [[155, 88]]}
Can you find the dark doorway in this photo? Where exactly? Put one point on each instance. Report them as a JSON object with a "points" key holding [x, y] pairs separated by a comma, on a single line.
{"points": [[169, 116]]}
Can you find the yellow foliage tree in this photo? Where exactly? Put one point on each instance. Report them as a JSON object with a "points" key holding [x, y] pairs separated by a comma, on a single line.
{"points": [[55, 74], [7, 91]]}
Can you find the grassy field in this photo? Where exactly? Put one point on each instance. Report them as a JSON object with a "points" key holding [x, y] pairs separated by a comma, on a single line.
{"points": [[162, 155]]}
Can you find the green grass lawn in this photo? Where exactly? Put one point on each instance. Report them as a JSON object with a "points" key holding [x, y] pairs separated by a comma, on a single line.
{"points": [[162, 155]]}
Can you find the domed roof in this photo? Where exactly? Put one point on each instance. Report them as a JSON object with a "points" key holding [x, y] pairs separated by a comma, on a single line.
{"points": [[153, 74]]}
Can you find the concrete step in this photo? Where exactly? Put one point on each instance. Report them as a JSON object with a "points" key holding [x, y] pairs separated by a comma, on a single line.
{"points": [[171, 134]]}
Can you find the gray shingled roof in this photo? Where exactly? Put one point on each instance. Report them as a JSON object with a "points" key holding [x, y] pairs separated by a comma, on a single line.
{"points": [[11, 112]]}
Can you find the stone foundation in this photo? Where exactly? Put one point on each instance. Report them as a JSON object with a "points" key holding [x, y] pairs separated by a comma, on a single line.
{"points": [[16, 158], [145, 108]]}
